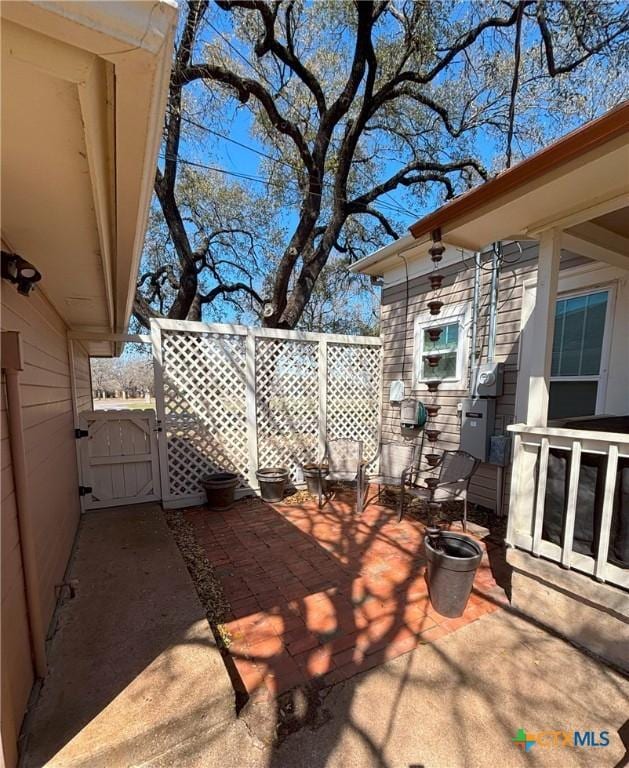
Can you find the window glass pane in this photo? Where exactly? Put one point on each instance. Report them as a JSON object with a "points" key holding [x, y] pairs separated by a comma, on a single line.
{"points": [[445, 369], [578, 335], [446, 346], [572, 398], [447, 341], [593, 336], [572, 341]]}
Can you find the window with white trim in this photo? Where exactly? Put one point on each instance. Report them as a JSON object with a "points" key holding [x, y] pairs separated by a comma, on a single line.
{"points": [[449, 348], [579, 343]]}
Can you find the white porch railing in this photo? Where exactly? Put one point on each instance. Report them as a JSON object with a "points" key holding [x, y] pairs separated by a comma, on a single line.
{"points": [[526, 509]]}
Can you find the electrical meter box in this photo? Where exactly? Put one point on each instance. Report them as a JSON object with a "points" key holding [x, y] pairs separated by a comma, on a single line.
{"points": [[489, 379], [478, 418]]}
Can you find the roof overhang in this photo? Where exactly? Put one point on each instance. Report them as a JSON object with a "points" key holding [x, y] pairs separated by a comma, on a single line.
{"points": [[84, 87], [582, 177]]}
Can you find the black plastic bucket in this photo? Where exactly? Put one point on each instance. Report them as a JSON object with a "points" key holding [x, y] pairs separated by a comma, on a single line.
{"points": [[451, 570], [219, 489], [272, 482], [314, 476]]}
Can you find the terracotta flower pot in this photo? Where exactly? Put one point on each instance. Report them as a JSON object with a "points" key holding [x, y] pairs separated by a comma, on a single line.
{"points": [[435, 281], [433, 386], [433, 360], [432, 410], [432, 435], [434, 333], [435, 307], [431, 482]]}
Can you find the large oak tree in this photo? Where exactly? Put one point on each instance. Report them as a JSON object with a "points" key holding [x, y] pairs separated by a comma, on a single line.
{"points": [[358, 111]]}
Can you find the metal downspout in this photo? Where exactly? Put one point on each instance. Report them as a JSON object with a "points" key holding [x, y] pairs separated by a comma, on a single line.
{"points": [[12, 365]]}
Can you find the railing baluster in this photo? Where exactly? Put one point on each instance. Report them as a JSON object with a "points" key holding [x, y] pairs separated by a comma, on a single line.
{"points": [[571, 505], [606, 517], [541, 493]]}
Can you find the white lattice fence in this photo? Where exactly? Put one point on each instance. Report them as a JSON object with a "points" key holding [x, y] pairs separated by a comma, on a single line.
{"points": [[231, 398], [287, 403], [353, 394]]}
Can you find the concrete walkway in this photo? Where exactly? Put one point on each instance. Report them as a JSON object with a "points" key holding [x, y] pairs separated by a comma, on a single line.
{"points": [[137, 681], [134, 670]]}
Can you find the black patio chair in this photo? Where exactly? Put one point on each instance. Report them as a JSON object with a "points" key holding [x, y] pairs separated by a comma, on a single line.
{"points": [[397, 466], [342, 463], [456, 469]]}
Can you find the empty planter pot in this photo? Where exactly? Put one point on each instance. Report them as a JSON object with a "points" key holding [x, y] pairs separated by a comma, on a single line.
{"points": [[272, 482], [314, 475], [219, 488], [453, 560]]}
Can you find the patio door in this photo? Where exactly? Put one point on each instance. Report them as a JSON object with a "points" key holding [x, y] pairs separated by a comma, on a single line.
{"points": [[119, 458]]}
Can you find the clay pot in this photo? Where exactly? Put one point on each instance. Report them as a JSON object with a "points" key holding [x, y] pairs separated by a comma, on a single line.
{"points": [[432, 435], [434, 333], [433, 459], [432, 410], [431, 482], [433, 386], [435, 307], [435, 281], [433, 360]]}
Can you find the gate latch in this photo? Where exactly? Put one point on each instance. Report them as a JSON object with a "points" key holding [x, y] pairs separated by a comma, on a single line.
{"points": [[79, 433], [84, 490]]}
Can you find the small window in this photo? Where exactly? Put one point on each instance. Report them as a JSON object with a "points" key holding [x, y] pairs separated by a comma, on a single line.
{"points": [[578, 343], [448, 346]]}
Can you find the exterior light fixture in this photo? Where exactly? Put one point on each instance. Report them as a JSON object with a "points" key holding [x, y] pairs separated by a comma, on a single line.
{"points": [[20, 272]]}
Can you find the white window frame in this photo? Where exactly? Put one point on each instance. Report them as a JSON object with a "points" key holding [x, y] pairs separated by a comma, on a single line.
{"points": [[601, 377], [586, 278], [450, 314]]}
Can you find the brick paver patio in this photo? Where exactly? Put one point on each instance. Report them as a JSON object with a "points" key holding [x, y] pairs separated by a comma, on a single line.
{"points": [[323, 594]]}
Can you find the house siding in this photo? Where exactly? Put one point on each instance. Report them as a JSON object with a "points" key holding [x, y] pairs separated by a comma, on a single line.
{"points": [[52, 472], [398, 347]]}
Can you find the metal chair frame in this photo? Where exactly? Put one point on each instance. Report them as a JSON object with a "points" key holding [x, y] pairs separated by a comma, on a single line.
{"points": [[455, 487], [331, 472], [396, 474]]}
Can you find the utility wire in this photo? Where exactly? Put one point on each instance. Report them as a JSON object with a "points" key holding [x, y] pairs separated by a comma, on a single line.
{"points": [[393, 206], [260, 180]]}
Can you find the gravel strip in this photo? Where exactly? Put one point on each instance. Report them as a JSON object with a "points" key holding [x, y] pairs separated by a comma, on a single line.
{"points": [[207, 583]]}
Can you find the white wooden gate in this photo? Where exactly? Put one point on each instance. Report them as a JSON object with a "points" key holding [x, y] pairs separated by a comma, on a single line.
{"points": [[119, 458], [232, 398]]}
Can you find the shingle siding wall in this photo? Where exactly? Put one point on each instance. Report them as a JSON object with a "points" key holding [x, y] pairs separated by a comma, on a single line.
{"points": [[398, 342]]}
